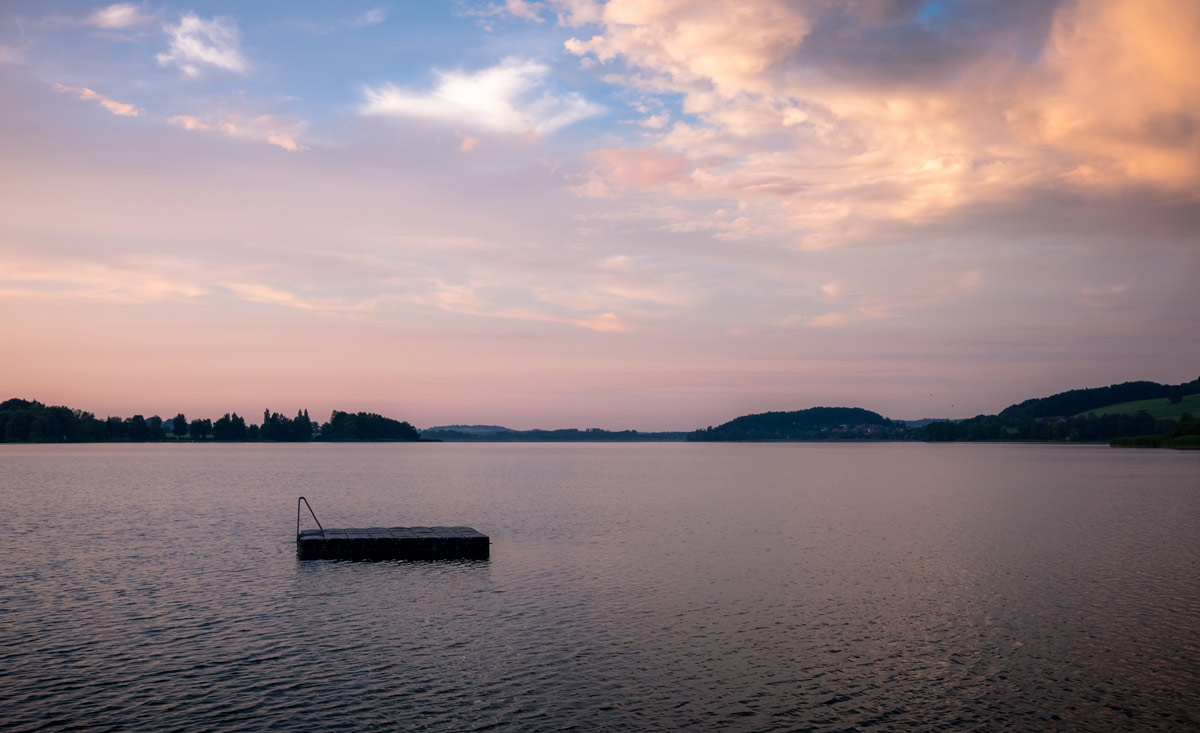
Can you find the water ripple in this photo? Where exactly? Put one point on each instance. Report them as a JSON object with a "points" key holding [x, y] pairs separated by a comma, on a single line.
{"points": [[756, 588]]}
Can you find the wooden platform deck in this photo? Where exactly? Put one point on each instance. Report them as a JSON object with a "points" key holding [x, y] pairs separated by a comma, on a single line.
{"points": [[393, 543]]}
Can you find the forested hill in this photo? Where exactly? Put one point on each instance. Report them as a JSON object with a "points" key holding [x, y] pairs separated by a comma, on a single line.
{"points": [[1077, 401], [815, 423]]}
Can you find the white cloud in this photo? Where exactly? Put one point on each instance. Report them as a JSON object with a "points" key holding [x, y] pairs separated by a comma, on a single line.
{"points": [[524, 10], [577, 12], [118, 16], [195, 41], [656, 122], [568, 12], [117, 108], [374, 16], [511, 97]]}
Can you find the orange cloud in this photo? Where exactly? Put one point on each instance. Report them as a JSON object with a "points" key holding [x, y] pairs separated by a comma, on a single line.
{"points": [[836, 158], [264, 128], [728, 43], [117, 108], [1122, 94]]}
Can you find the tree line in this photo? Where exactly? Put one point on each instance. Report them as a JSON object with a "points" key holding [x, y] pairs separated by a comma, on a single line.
{"points": [[1089, 427], [1067, 416], [564, 435], [30, 421]]}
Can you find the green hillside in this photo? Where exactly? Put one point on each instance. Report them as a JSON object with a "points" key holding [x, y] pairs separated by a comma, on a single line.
{"points": [[1158, 408]]}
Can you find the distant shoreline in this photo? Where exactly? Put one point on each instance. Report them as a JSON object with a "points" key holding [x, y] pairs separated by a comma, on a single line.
{"points": [[1130, 414]]}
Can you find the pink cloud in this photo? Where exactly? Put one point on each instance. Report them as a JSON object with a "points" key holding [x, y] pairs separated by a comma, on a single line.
{"points": [[264, 128], [626, 167], [117, 108], [119, 16]]}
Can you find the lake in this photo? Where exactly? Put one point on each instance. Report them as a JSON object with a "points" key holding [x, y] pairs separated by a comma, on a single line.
{"points": [[630, 587]]}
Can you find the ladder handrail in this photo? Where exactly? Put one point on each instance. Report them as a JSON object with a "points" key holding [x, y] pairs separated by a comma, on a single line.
{"points": [[310, 511]]}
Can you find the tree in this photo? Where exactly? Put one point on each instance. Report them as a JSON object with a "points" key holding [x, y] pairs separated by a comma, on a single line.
{"points": [[229, 427], [114, 428], [136, 428], [281, 428], [302, 427], [179, 426], [155, 428], [199, 429], [366, 426]]}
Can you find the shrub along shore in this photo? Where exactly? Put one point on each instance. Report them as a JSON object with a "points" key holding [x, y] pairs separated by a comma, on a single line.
{"points": [[1185, 435]]}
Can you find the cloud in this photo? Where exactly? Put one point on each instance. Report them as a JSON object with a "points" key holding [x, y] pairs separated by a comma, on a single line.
{"points": [[137, 280], [656, 122], [195, 41], [260, 293], [473, 298], [605, 322], [845, 124], [727, 44], [830, 320], [917, 292], [468, 143], [577, 12], [1121, 97], [568, 12], [512, 97], [525, 10], [117, 108], [118, 16], [1101, 297], [627, 167], [260, 127], [374, 16], [11, 54]]}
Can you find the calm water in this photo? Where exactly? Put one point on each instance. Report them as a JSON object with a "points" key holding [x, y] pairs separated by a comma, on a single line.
{"points": [[652, 586]]}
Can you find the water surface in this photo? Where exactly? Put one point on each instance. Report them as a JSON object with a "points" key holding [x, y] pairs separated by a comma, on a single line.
{"points": [[631, 586]]}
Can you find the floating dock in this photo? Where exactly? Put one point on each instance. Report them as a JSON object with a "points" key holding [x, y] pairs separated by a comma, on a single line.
{"points": [[389, 543]]}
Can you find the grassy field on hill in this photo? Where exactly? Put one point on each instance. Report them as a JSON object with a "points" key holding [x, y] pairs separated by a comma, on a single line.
{"points": [[1158, 409]]}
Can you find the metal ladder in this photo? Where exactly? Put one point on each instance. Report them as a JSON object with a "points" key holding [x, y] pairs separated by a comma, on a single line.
{"points": [[310, 511]]}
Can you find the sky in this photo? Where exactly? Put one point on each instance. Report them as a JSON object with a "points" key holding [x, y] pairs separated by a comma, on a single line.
{"points": [[655, 214]]}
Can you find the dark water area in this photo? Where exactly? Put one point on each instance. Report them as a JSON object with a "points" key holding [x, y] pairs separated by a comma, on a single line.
{"points": [[630, 587]]}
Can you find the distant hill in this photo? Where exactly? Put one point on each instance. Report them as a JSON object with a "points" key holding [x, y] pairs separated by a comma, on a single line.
{"points": [[455, 434], [1083, 401], [815, 423], [469, 429], [922, 422], [1092, 414]]}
